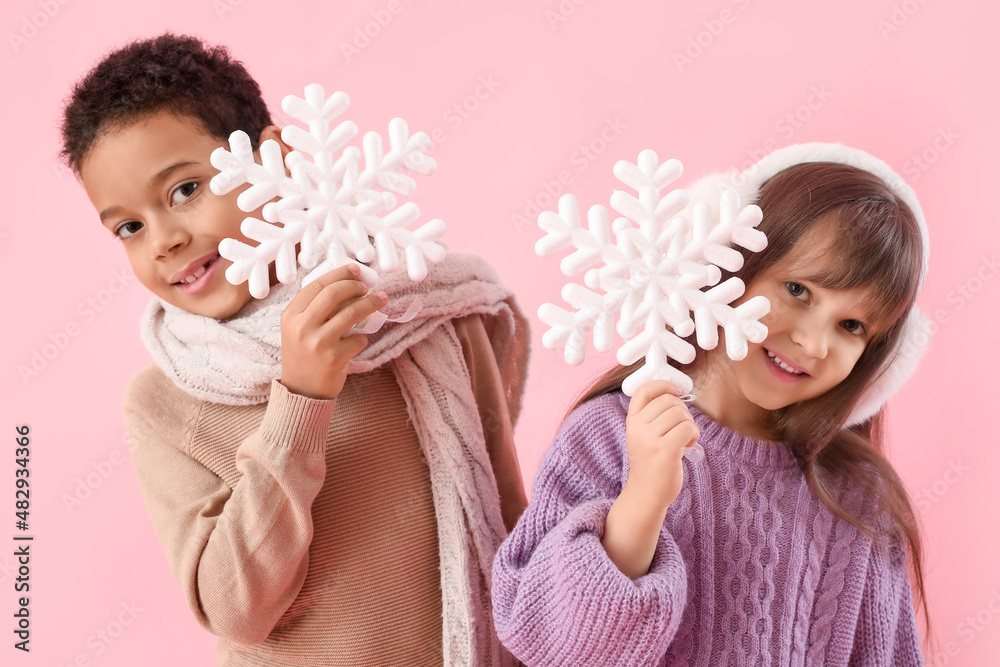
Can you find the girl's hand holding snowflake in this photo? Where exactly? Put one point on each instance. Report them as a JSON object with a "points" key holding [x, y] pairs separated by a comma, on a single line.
{"points": [[658, 430], [315, 353], [659, 276]]}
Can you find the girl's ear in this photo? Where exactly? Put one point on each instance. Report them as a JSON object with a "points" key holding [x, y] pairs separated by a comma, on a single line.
{"points": [[274, 132]]}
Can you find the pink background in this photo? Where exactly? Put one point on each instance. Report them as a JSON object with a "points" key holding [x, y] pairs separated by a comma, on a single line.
{"points": [[903, 79]]}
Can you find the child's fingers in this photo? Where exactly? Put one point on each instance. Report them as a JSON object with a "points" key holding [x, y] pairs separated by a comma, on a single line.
{"points": [[648, 392], [331, 299], [352, 345], [661, 422], [307, 294], [676, 419], [353, 312], [658, 406]]}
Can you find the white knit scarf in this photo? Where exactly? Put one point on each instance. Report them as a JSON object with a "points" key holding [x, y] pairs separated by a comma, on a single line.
{"points": [[234, 361]]}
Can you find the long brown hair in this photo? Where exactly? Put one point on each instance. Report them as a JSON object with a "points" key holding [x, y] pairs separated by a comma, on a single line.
{"points": [[880, 249]]}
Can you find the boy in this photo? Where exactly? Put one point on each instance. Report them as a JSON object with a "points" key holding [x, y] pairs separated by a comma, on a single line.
{"points": [[321, 500]]}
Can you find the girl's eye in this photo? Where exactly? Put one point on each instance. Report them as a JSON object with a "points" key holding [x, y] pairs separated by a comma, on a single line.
{"points": [[127, 229], [183, 192], [795, 289], [854, 327]]}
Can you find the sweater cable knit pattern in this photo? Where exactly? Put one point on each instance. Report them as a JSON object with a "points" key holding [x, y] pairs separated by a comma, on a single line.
{"points": [[750, 568]]}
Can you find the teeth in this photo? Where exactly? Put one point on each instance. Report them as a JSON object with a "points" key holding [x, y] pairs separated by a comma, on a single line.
{"points": [[197, 274], [782, 365]]}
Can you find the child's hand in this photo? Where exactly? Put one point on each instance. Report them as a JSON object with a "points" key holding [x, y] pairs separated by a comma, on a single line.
{"points": [[314, 352], [657, 429]]}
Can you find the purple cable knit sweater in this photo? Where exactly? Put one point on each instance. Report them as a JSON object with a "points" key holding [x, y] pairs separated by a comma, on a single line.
{"points": [[750, 568]]}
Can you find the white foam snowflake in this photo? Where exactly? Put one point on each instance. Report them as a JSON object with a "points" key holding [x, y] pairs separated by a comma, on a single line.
{"points": [[654, 275], [326, 204]]}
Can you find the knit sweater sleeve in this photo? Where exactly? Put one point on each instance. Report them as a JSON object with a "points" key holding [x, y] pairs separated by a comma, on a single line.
{"points": [[558, 598], [239, 553], [886, 635]]}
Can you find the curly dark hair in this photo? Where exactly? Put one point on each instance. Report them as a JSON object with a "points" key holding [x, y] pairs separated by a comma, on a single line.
{"points": [[180, 74]]}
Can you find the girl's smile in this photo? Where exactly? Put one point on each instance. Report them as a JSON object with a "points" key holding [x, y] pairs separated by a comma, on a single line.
{"points": [[782, 369], [815, 337]]}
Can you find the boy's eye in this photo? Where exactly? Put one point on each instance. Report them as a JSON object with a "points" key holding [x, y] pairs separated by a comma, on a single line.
{"points": [[183, 192], [795, 289], [127, 229]]}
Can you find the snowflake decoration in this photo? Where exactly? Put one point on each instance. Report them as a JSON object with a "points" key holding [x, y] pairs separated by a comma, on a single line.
{"points": [[654, 275], [327, 205]]}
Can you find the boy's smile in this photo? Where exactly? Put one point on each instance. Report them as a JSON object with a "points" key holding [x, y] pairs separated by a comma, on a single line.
{"points": [[149, 181]]}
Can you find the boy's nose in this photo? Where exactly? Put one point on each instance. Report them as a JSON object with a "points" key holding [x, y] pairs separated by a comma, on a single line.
{"points": [[167, 237]]}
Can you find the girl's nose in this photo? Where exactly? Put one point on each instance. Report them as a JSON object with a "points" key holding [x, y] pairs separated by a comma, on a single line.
{"points": [[811, 335]]}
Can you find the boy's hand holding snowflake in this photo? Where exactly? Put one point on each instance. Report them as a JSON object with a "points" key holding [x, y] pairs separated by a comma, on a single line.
{"points": [[315, 350], [322, 210]]}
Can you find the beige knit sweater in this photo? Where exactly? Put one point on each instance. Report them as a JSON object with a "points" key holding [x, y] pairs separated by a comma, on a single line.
{"points": [[302, 531]]}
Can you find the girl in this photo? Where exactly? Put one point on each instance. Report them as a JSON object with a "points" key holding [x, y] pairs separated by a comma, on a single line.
{"points": [[787, 544]]}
